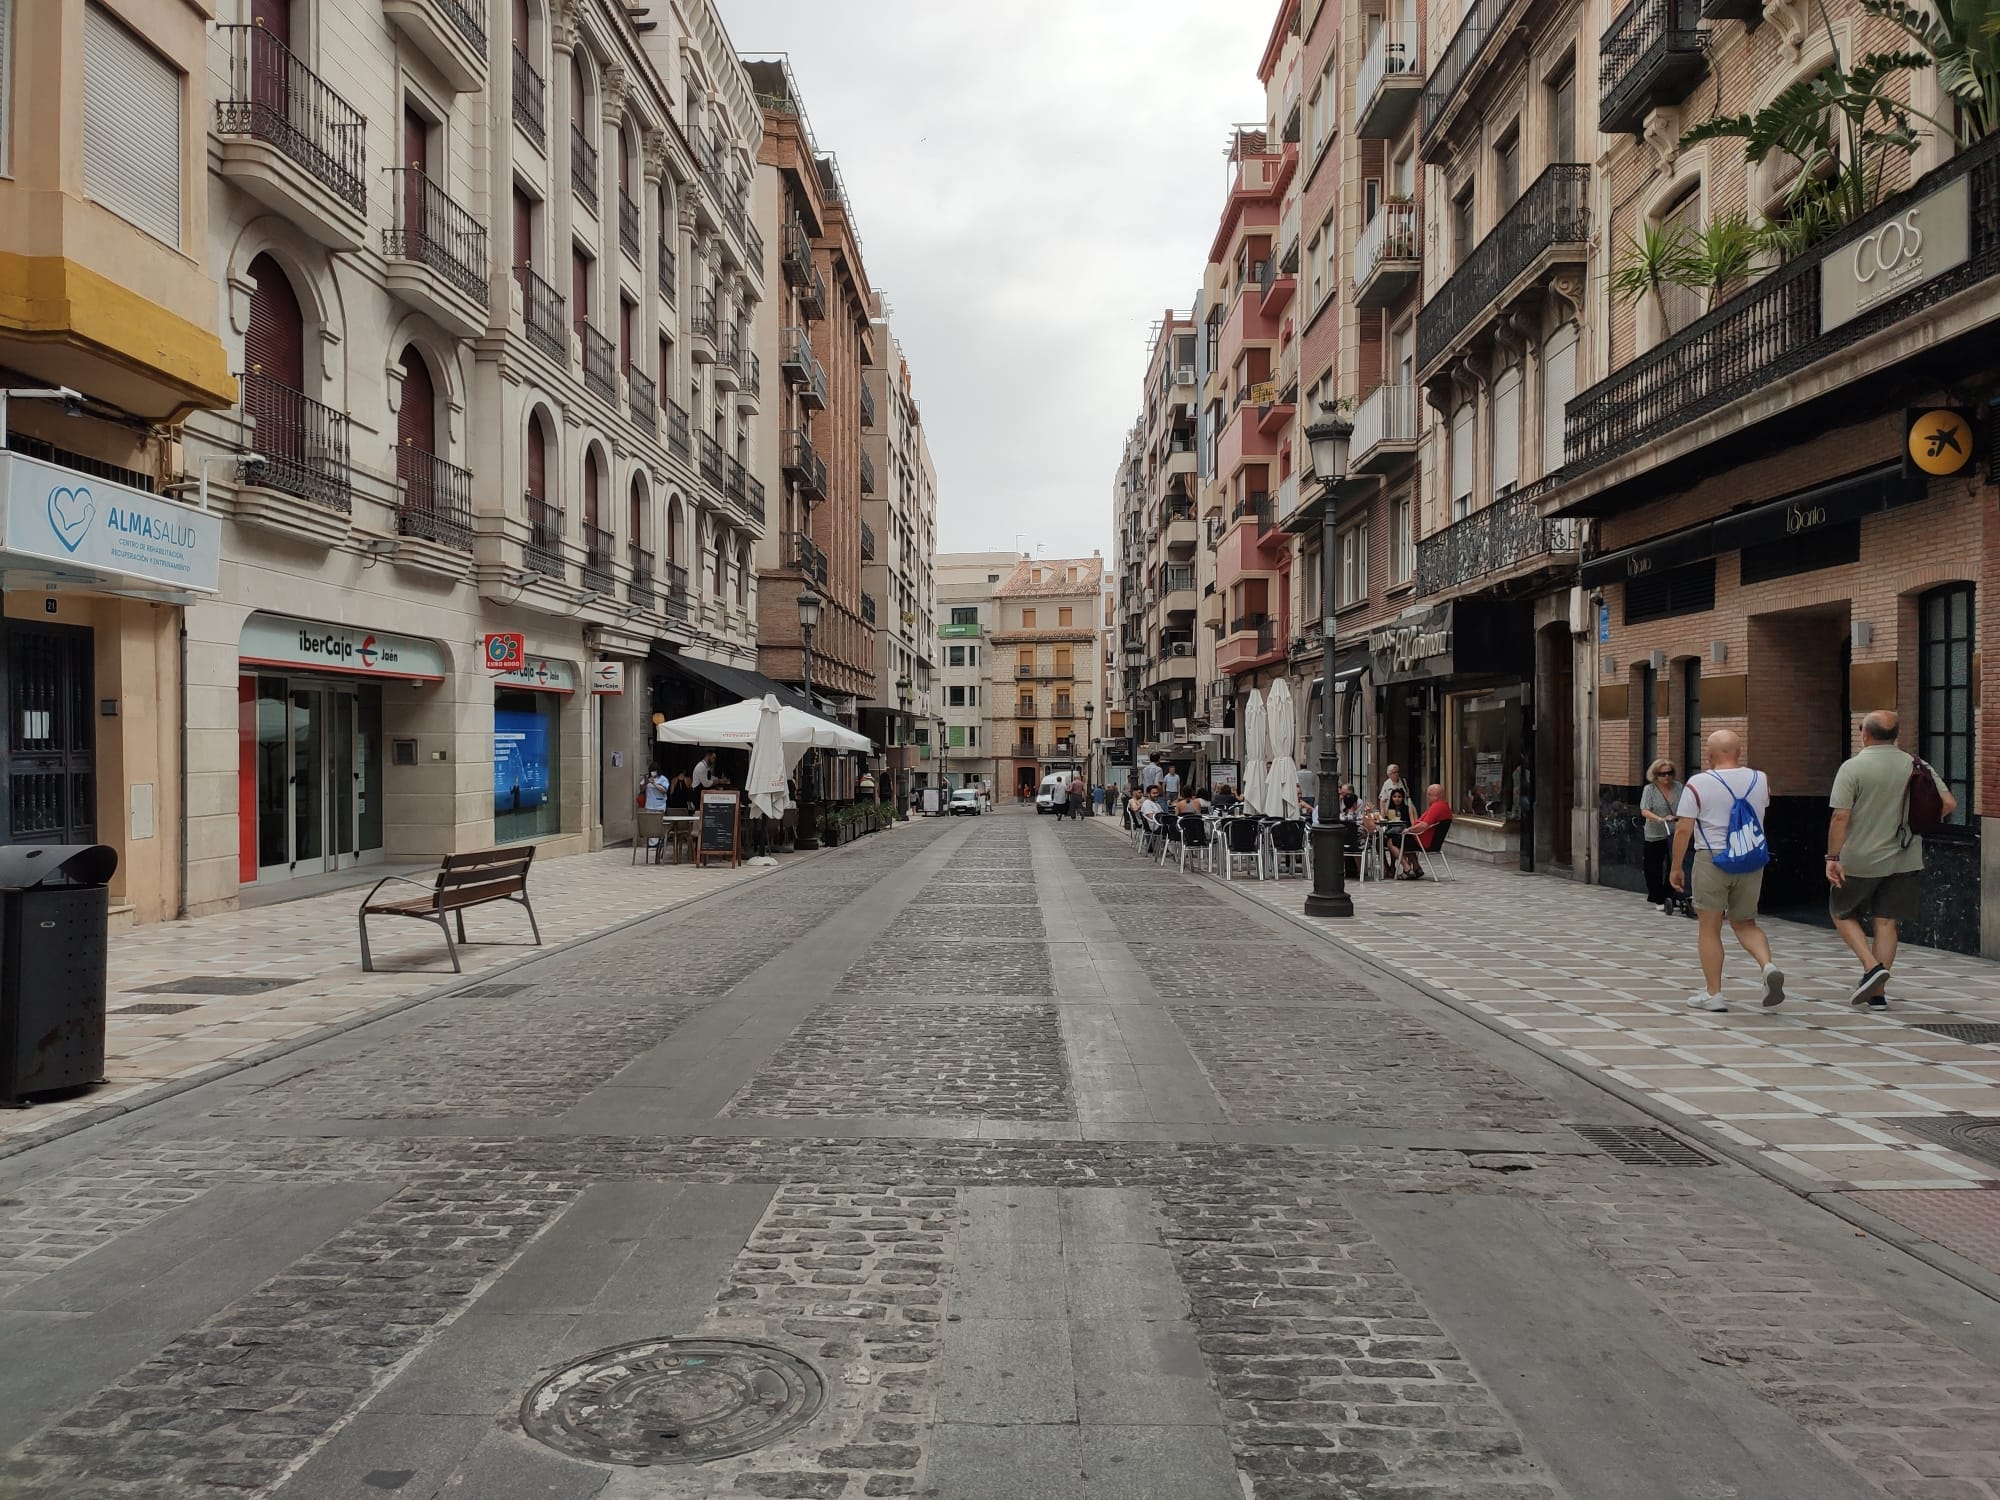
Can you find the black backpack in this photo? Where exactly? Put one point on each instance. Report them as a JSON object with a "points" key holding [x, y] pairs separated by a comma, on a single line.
{"points": [[1923, 806]]}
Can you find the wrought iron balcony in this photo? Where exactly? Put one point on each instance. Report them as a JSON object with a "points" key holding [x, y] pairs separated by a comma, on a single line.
{"points": [[795, 256], [795, 356], [273, 97], [1388, 255], [642, 399], [628, 223], [600, 363], [531, 99], [583, 167], [677, 432], [677, 592], [668, 270], [1441, 89], [1256, 507], [812, 295], [702, 327], [1260, 625], [804, 466], [868, 609], [711, 461], [728, 363], [1387, 424], [543, 550], [810, 557], [1649, 56], [1390, 80], [640, 589], [1771, 329], [1553, 215], [437, 233], [735, 480], [598, 546], [1174, 577], [812, 394], [753, 248], [1508, 537], [542, 314], [867, 542], [753, 499], [436, 502], [751, 369], [302, 444], [448, 33], [867, 405]]}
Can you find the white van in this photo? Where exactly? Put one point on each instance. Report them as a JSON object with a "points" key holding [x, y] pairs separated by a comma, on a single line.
{"points": [[1045, 798]]}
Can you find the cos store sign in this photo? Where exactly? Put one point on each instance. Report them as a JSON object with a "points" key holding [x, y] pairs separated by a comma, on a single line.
{"points": [[1920, 242]]}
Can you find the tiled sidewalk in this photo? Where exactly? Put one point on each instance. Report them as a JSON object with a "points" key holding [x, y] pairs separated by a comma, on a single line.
{"points": [[1821, 1089], [310, 946]]}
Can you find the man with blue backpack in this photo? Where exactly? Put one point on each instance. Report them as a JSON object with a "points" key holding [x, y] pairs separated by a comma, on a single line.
{"points": [[1722, 815]]}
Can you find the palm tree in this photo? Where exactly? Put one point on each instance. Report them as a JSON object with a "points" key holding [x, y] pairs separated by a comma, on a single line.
{"points": [[1961, 39]]}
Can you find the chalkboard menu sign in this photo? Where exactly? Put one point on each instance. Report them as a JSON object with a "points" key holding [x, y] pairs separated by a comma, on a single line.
{"points": [[719, 812]]}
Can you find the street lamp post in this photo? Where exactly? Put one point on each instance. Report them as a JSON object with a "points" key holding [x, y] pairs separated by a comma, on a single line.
{"points": [[808, 804], [1089, 751], [903, 701], [1328, 438]]}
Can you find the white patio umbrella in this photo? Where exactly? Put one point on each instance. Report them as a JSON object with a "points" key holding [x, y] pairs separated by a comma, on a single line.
{"points": [[737, 723], [1282, 789], [768, 763], [1256, 751]]}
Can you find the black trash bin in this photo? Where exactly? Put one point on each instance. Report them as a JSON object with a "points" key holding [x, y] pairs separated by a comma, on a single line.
{"points": [[54, 908]]}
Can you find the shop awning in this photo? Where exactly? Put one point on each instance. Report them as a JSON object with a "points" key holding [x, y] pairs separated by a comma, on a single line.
{"points": [[739, 683], [1348, 668], [1800, 513]]}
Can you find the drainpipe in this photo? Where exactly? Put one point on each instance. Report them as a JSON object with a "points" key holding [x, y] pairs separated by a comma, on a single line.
{"points": [[182, 902]]}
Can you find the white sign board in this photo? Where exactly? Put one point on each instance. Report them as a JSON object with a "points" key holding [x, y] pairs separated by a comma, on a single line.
{"points": [[352, 650], [1907, 249], [607, 677], [933, 801], [540, 674], [101, 532]]}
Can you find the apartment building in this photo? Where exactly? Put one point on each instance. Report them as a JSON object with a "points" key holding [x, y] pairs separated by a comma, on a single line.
{"points": [[104, 223], [898, 550], [1045, 667], [821, 340], [1790, 475], [967, 752], [463, 262]]}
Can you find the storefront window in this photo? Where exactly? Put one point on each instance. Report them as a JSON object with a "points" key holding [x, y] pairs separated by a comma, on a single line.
{"points": [[1486, 739], [527, 765], [1944, 689]]}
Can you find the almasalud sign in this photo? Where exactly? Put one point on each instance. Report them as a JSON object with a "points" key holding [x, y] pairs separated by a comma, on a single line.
{"points": [[98, 532]]}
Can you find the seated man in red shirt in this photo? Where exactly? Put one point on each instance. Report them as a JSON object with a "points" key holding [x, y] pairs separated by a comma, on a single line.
{"points": [[1425, 832]]}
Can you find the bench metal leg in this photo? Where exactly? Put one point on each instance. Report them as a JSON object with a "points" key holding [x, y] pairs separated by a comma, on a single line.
{"points": [[450, 947], [460, 915], [533, 926], [367, 959]]}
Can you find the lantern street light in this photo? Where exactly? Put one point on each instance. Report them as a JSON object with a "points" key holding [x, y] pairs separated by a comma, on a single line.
{"points": [[1328, 438], [904, 699], [808, 804], [1090, 750]]}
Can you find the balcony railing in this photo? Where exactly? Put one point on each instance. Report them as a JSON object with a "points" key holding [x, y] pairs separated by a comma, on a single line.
{"points": [[600, 363], [1554, 211], [867, 542], [583, 166], [1459, 55], [543, 551], [302, 444], [668, 270], [1771, 329], [805, 465], [628, 224], [1255, 506], [542, 314], [598, 546], [1648, 57], [752, 370], [701, 321], [1508, 535], [531, 99], [677, 432], [795, 254], [812, 295], [795, 356], [1262, 626], [1394, 54], [711, 461], [1392, 235], [811, 558], [642, 400], [1387, 415], [735, 479], [275, 98], [437, 499], [753, 499], [640, 589], [677, 592], [868, 609], [867, 475], [434, 231], [1175, 577], [867, 405], [464, 22]]}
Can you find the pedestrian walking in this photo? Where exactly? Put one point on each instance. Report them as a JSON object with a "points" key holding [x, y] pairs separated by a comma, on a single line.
{"points": [[1656, 808], [1059, 799], [1171, 783], [1875, 848], [1076, 803], [1150, 774], [1723, 807]]}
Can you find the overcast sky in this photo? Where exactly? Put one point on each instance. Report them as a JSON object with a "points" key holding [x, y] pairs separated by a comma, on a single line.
{"points": [[1035, 183]]}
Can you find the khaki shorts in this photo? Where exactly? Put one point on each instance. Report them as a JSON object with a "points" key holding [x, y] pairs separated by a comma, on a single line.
{"points": [[1893, 898], [1735, 896]]}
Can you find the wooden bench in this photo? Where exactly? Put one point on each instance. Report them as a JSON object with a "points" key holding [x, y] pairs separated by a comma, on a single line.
{"points": [[463, 881]]}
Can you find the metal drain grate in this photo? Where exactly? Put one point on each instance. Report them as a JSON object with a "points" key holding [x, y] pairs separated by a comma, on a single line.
{"points": [[1976, 1136], [1642, 1146], [153, 1008], [1983, 1033], [214, 984], [492, 991]]}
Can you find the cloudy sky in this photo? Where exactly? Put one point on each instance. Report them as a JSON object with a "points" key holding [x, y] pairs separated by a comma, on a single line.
{"points": [[1035, 183]]}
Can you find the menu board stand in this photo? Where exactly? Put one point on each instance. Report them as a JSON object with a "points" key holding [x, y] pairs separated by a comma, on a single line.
{"points": [[719, 837]]}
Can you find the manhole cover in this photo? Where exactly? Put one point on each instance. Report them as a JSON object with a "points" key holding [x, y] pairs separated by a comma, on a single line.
{"points": [[1975, 1135], [492, 991], [1987, 1032], [1642, 1146], [673, 1401], [153, 1009], [214, 984]]}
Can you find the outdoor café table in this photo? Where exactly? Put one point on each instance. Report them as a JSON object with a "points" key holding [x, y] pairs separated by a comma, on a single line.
{"points": [[673, 828]]}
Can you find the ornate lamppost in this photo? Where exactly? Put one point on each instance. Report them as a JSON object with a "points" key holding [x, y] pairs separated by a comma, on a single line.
{"points": [[904, 699], [1089, 752], [808, 803], [1328, 438]]}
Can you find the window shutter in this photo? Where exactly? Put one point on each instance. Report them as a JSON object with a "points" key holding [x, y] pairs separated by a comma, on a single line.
{"points": [[1558, 385], [131, 128], [1506, 432], [1461, 459]]}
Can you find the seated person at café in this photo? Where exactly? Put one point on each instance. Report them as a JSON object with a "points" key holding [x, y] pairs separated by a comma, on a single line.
{"points": [[1395, 820], [1424, 833], [1225, 798]]}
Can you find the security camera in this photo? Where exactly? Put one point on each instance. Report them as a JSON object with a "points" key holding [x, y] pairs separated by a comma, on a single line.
{"points": [[1597, 601], [72, 403]]}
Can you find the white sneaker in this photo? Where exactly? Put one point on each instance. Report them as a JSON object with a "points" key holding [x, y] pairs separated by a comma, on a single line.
{"points": [[1702, 1001]]}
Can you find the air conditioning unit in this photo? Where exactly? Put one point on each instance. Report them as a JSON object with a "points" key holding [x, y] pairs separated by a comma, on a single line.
{"points": [[1180, 726], [1181, 648], [1185, 376]]}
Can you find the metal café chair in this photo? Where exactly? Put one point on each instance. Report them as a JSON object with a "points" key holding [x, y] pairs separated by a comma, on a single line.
{"points": [[1289, 847], [1170, 835], [1242, 838], [1430, 861], [1196, 840]]}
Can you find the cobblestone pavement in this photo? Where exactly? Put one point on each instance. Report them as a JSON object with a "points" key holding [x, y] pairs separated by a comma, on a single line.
{"points": [[1112, 1187]]}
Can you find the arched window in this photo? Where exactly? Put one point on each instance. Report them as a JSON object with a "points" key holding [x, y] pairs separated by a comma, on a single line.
{"points": [[579, 91], [673, 531], [743, 577], [624, 161], [538, 460], [416, 435], [523, 29], [274, 370], [590, 486], [721, 565], [635, 513]]}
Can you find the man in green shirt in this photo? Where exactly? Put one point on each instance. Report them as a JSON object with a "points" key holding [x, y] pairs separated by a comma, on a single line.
{"points": [[1873, 861]]}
